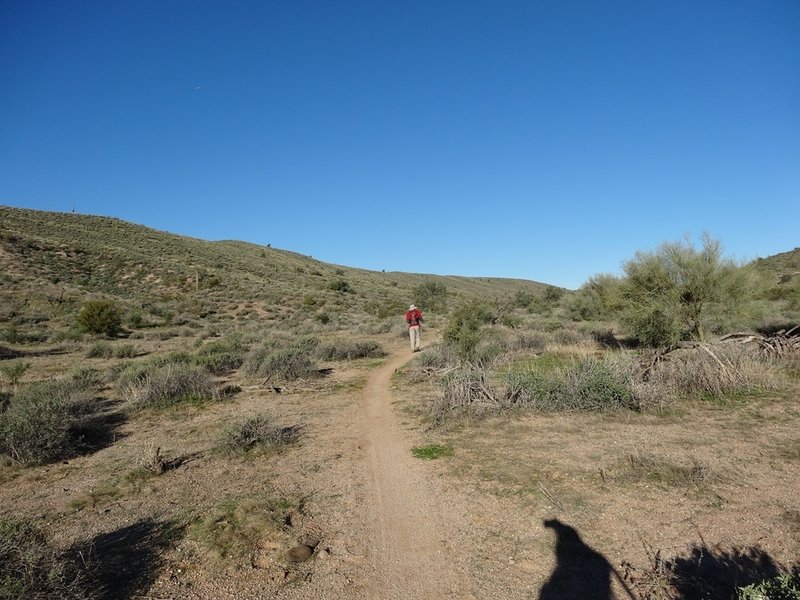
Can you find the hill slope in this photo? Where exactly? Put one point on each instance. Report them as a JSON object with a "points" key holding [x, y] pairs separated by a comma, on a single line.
{"points": [[53, 261]]}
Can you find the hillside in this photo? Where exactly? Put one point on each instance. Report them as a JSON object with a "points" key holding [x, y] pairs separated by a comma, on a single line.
{"points": [[260, 428], [785, 266], [51, 262]]}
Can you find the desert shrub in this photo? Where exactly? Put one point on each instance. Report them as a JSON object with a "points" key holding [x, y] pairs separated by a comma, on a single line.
{"points": [[726, 371], [430, 295], [680, 292], [86, 378], [783, 587], [13, 371], [586, 385], [136, 321], [340, 285], [463, 330], [100, 350], [38, 423], [350, 350], [30, 568], [100, 317], [126, 351], [282, 359], [523, 299], [596, 300], [161, 387], [259, 430], [466, 392], [222, 356]]}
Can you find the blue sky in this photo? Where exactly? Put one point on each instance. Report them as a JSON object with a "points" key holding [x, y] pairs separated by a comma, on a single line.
{"points": [[545, 140]]}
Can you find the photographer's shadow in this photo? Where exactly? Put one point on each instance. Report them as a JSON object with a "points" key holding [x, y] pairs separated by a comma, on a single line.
{"points": [[581, 573]]}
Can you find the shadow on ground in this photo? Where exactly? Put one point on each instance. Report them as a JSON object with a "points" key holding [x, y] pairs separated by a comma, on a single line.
{"points": [[581, 573], [123, 564], [702, 573], [98, 427], [705, 573]]}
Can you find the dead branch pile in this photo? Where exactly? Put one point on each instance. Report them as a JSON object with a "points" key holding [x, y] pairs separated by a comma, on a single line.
{"points": [[780, 344]]}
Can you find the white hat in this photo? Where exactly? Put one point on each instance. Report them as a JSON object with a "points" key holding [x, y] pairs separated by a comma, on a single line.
{"points": [[412, 307]]}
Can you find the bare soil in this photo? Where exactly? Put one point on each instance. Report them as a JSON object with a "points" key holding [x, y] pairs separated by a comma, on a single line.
{"points": [[528, 506]]}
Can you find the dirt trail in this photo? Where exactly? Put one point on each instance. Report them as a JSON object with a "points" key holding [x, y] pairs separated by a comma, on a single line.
{"points": [[411, 537]]}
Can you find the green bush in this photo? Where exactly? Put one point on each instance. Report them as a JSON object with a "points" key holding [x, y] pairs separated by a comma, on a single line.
{"points": [[586, 385], [340, 285], [680, 292], [31, 569], [596, 300], [102, 317], [38, 424], [463, 330], [14, 370], [431, 296], [783, 587]]}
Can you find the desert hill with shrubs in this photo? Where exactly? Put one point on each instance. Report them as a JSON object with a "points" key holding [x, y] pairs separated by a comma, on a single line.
{"points": [[51, 263], [178, 414]]}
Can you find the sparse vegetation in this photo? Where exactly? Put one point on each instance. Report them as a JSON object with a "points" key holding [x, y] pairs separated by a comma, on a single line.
{"points": [[564, 404], [162, 387], [13, 371], [432, 451], [231, 530], [282, 360], [39, 423], [31, 568], [350, 350]]}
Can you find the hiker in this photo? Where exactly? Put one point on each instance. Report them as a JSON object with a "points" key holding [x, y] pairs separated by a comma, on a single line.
{"points": [[414, 319]]}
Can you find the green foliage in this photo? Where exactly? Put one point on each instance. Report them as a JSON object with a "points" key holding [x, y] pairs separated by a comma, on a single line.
{"points": [[430, 295], [680, 292], [783, 587], [100, 317], [585, 385], [31, 569], [14, 370], [38, 424], [432, 451], [596, 300], [463, 330], [340, 285], [259, 430]]}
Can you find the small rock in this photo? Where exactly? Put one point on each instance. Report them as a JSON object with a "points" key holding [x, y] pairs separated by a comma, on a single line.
{"points": [[299, 553], [310, 540], [323, 554]]}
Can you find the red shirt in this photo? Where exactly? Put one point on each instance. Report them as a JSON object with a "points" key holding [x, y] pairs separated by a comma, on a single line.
{"points": [[413, 317]]}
